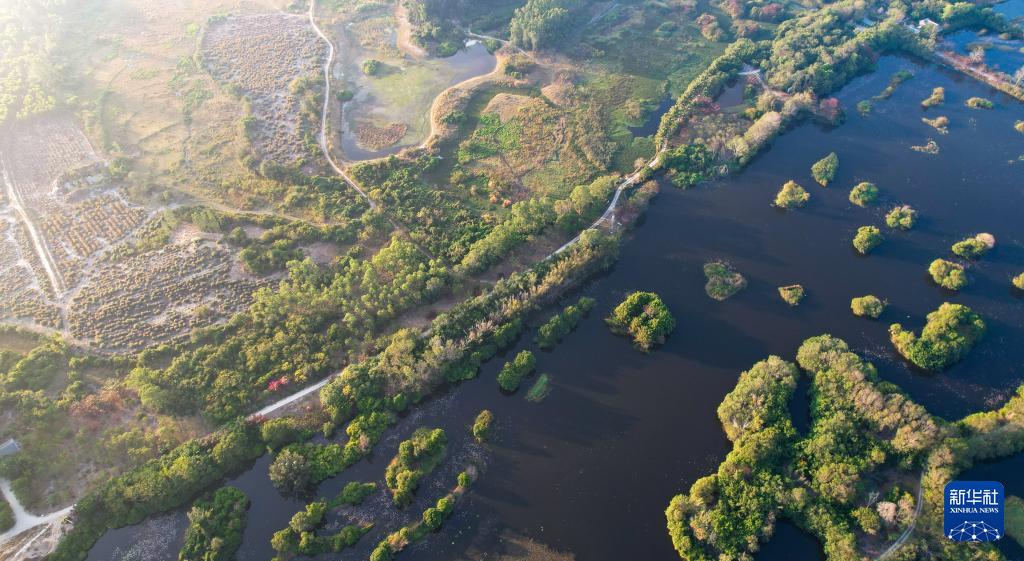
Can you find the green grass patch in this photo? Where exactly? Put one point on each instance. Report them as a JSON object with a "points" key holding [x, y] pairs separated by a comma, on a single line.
{"points": [[490, 138], [540, 389]]}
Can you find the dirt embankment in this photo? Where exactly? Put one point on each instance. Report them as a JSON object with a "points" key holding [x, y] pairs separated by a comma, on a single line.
{"points": [[405, 42]]}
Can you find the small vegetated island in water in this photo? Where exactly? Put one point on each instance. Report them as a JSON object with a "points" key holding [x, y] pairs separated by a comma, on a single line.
{"points": [[561, 324], [513, 373], [867, 306], [867, 239], [215, 526], [416, 457], [1018, 281], [792, 294], [824, 170], [902, 217], [975, 247], [644, 317], [937, 98], [791, 196], [864, 194], [948, 274], [979, 103], [948, 335], [482, 426], [723, 281]]}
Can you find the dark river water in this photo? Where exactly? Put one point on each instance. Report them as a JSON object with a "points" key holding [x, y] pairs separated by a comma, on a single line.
{"points": [[590, 470]]}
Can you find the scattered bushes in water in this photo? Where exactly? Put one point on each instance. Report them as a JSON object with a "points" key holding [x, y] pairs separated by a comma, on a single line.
{"points": [[540, 389], [792, 195], [938, 97], [354, 493], [298, 466], [948, 335], [898, 78], [513, 373], [723, 281], [1018, 281], [792, 294], [975, 247], [431, 521], [643, 316], [867, 238], [902, 217], [824, 170], [563, 323], [1019, 126], [215, 526], [867, 306], [979, 103], [300, 537], [940, 123], [482, 426], [948, 274], [864, 107], [864, 194], [416, 457]]}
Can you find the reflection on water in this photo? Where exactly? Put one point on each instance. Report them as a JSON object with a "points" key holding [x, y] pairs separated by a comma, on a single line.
{"points": [[590, 470]]}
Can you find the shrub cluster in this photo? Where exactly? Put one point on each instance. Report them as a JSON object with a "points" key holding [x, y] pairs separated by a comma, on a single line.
{"points": [[792, 195], [824, 170], [644, 317], [948, 274], [902, 217], [723, 281], [867, 239], [215, 526], [867, 306], [948, 335], [513, 373], [416, 458], [561, 324], [864, 194]]}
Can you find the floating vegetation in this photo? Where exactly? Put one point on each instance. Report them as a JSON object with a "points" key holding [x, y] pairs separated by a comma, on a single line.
{"points": [[864, 107], [792, 294], [540, 389], [867, 306], [948, 274], [792, 196], [824, 170], [902, 217], [930, 147], [1019, 126], [979, 103], [867, 239], [864, 194], [1018, 281], [645, 317], [938, 97], [940, 123], [723, 281]]}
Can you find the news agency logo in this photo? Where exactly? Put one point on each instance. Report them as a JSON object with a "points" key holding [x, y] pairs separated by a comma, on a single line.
{"points": [[973, 511]]}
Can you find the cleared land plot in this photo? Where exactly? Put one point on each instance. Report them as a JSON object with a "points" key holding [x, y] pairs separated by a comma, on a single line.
{"points": [[262, 55]]}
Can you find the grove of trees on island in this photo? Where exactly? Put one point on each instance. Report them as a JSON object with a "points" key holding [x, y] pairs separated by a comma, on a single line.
{"points": [[644, 317]]}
